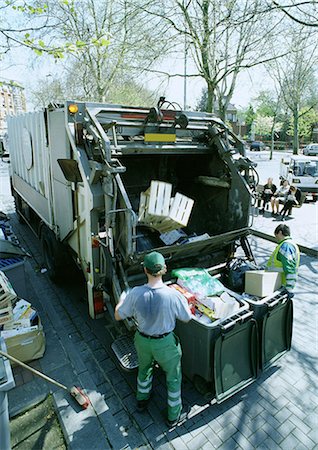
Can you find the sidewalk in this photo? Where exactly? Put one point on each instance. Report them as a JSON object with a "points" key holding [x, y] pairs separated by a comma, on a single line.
{"points": [[303, 224]]}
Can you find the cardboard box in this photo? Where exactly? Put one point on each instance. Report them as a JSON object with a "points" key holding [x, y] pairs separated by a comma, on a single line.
{"points": [[262, 283], [26, 344]]}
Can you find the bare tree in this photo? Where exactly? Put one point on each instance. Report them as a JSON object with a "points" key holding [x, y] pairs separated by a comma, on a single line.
{"points": [[295, 77], [223, 38], [302, 12], [120, 42]]}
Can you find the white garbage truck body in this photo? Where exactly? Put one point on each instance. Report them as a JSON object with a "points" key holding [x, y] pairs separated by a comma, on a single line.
{"points": [[78, 175]]}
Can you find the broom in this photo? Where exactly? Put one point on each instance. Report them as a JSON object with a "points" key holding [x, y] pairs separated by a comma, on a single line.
{"points": [[76, 392]]}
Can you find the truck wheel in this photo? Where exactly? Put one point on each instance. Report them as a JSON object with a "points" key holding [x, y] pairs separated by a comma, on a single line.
{"points": [[18, 209], [51, 254]]}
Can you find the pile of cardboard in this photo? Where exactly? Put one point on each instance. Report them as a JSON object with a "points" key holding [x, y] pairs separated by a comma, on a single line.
{"points": [[160, 210], [20, 325]]}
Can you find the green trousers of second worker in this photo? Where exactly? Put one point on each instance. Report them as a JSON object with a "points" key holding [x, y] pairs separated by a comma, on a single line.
{"points": [[167, 353]]}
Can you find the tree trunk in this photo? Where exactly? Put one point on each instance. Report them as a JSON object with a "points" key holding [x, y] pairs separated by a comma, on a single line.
{"points": [[272, 141], [296, 131], [210, 98]]}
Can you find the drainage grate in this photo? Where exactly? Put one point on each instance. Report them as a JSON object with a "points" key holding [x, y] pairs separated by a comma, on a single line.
{"points": [[125, 352]]}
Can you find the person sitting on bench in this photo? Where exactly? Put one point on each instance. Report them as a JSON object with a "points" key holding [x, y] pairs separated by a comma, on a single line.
{"points": [[292, 198], [268, 192], [279, 197]]}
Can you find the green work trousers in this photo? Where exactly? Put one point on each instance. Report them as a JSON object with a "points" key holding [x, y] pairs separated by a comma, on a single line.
{"points": [[167, 353]]}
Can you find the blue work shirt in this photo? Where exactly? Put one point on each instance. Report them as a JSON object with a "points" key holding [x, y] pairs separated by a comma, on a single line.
{"points": [[155, 309]]}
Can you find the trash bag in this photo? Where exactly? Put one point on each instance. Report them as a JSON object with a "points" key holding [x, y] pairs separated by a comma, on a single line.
{"points": [[198, 281], [234, 275]]}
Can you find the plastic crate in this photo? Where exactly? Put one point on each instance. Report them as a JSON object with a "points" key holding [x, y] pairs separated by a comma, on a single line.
{"points": [[165, 213]]}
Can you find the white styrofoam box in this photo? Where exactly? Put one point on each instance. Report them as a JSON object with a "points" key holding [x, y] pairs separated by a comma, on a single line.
{"points": [[262, 283]]}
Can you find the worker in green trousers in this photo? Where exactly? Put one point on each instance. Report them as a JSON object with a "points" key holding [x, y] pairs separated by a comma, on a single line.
{"points": [[156, 307]]}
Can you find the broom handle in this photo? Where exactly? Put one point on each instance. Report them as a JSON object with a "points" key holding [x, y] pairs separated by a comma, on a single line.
{"points": [[36, 372]]}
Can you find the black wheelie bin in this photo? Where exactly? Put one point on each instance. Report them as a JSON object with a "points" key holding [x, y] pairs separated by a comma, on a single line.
{"points": [[274, 317], [220, 358]]}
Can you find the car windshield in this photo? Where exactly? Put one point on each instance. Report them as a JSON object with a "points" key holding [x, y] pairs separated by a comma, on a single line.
{"points": [[302, 168]]}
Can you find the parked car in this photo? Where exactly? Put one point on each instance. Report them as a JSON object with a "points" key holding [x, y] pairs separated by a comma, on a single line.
{"points": [[311, 150], [257, 146]]}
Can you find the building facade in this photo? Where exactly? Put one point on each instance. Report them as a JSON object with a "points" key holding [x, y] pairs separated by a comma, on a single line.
{"points": [[12, 101]]}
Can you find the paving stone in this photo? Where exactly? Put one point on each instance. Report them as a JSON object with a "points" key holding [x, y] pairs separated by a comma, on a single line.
{"points": [[155, 436], [135, 439], [107, 365], [50, 360], [94, 344], [144, 420], [303, 438], [23, 397], [282, 415], [290, 442], [197, 442], [298, 412], [227, 432], [115, 376], [212, 437], [97, 375], [114, 404], [299, 424], [286, 428], [242, 441], [258, 437], [124, 389], [177, 443]]}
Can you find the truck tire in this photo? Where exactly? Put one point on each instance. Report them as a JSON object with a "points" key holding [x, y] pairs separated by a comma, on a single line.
{"points": [[18, 209], [52, 254]]}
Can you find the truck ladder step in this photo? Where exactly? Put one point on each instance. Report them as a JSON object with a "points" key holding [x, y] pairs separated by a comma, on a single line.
{"points": [[125, 352]]}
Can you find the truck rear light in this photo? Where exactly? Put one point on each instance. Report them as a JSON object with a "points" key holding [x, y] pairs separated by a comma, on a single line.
{"points": [[73, 109], [95, 242], [98, 300]]}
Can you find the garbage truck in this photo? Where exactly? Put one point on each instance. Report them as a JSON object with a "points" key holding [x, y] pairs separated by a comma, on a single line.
{"points": [[109, 183]]}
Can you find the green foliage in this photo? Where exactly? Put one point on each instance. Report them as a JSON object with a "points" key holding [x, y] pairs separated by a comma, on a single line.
{"points": [[27, 8], [250, 115], [307, 119], [266, 104]]}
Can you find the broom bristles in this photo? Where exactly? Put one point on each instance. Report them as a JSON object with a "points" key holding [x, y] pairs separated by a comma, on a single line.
{"points": [[80, 397]]}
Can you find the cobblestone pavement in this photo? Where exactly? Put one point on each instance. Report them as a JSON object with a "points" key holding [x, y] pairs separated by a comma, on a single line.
{"points": [[278, 411]]}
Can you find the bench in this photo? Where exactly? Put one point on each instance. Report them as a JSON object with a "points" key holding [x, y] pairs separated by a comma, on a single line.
{"points": [[300, 202]]}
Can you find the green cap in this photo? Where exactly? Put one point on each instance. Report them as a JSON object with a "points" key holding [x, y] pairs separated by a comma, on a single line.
{"points": [[154, 262]]}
